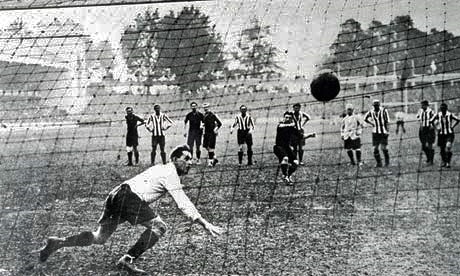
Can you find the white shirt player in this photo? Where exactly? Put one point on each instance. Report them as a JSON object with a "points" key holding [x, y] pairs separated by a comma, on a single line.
{"points": [[351, 127], [158, 180]]}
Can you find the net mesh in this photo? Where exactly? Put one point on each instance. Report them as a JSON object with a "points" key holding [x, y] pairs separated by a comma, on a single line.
{"points": [[68, 70]]}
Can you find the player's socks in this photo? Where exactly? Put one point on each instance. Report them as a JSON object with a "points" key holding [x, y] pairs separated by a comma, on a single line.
{"points": [[152, 158], [198, 154], [350, 155], [163, 157], [378, 158], [358, 156], [52, 245], [250, 153], [130, 158], [284, 169], [387, 157], [240, 157], [443, 155], [449, 157], [147, 239], [136, 156], [300, 155], [291, 169]]}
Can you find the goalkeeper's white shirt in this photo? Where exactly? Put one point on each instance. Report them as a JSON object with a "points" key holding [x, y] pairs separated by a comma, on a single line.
{"points": [[351, 127], [158, 180]]}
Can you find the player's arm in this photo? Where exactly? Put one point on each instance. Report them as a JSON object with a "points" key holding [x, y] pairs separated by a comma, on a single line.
{"points": [[149, 123], [282, 124], [307, 118], [366, 118], [342, 129], [251, 124], [386, 118], [235, 123], [218, 123], [139, 119], [433, 119], [171, 123], [188, 209], [456, 119], [185, 125]]}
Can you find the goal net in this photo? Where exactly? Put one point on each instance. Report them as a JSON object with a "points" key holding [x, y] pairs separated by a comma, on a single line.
{"points": [[69, 69]]}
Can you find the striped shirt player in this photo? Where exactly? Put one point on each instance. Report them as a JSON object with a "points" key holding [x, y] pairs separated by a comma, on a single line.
{"points": [[379, 119], [300, 119], [350, 131], [446, 124], [157, 124], [130, 201], [245, 125], [426, 132]]}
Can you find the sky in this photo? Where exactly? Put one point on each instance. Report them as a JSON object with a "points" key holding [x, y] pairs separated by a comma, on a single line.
{"points": [[301, 29]]}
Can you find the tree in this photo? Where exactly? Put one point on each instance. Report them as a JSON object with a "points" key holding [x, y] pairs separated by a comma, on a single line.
{"points": [[189, 49], [100, 56], [351, 49], [139, 50], [182, 48], [255, 52]]}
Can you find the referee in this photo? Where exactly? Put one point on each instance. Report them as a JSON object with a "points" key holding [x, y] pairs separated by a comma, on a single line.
{"points": [[245, 125]]}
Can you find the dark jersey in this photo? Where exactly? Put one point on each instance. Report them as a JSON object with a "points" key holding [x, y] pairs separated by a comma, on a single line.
{"points": [[210, 121], [131, 122], [284, 134], [195, 119]]}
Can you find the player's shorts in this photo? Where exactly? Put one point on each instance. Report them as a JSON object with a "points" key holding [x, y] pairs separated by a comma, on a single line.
{"points": [[297, 139], [244, 137], [427, 135], [352, 144], [282, 152], [209, 140], [379, 139], [194, 138], [132, 141], [123, 205], [443, 139], [158, 140]]}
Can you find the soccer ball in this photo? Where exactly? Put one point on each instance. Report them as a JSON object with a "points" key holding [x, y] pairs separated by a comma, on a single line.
{"points": [[325, 86]]}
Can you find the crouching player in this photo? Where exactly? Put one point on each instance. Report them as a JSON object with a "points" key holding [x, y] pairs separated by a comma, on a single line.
{"points": [[130, 201], [286, 131]]}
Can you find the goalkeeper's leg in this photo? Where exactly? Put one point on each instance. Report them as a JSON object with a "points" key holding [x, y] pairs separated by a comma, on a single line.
{"points": [[85, 238]]}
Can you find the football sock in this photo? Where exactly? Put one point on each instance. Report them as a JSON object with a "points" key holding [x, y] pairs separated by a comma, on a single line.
{"points": [[377, 157], [83, 239], [163, 157], [240, 157], [387, 157], [284, 169], [136, 156], [250, 153], [358, 155], [152, 157], [449, 156], [146, 241], [350, 155], [300, 155], [130, 158]]}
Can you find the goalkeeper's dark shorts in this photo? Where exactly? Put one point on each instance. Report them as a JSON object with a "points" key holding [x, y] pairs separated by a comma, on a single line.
{"points": [[282, 152], [123, 205]]}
